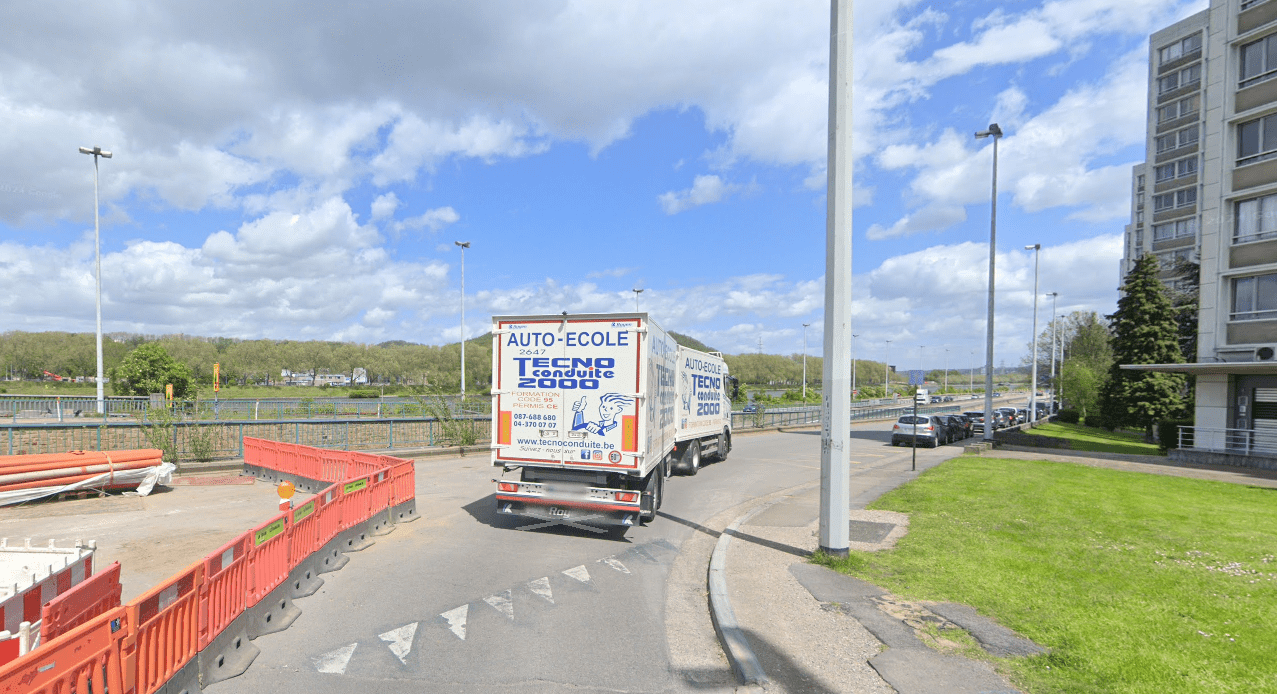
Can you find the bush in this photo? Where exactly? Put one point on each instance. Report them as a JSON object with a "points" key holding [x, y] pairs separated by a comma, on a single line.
{"points": [[1168, 433], [1068, 416], [364, 394]]}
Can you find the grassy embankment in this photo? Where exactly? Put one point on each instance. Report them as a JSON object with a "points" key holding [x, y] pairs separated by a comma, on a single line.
{"points": [[1083, 438], [1135, 582]]}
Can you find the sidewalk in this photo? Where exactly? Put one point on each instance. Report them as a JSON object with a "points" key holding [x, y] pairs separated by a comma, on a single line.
{"points": [[805, 628]]}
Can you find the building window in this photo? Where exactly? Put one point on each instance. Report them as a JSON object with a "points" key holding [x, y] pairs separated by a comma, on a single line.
{"points": [[1139, 216], [1256, 219], [1257, 140], [1139, 238], [1177, 229], [1176, 169], [1259, 61], [1180, 138], [1175, 199], [1179, 109], [1139, 182], [1247, 4], [1180, 78], [1254, 298], [1170, 259], [1180, 48]]}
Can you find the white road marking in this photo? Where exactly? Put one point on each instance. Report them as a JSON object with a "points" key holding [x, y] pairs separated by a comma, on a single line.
{"points": [[335, 662], [541, 587], [457, 620], [400, 640], [612, 562], [579, 573], [502, 603]]}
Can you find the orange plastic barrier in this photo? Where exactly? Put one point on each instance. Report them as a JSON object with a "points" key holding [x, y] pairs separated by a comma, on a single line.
{"points": [[268, 558], [308, 532], [380, 491], [91, 597], [166, 635], [403, 481], [365, 464], [330, 522], [227, 583], [355, 498], [86, 659]]}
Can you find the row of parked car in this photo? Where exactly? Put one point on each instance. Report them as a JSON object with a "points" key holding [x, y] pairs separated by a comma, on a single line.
{"points": [[934, 430]]}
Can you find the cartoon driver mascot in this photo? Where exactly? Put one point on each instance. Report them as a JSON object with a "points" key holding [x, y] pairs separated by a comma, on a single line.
{"points": [[610, 406]]}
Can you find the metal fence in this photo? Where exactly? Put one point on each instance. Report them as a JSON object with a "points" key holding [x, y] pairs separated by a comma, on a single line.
{"points": [[214, 440], [62, 409], [1240, 441]]}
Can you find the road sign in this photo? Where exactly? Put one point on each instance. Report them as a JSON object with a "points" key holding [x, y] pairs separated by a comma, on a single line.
{"points": [[917, 377], [217, 376]]}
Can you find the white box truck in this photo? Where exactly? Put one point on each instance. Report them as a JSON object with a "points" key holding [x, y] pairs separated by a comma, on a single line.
{"points": [[587, 409]]}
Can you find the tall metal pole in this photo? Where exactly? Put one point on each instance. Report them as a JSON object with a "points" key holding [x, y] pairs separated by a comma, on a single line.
{"points": [[886, 368], [1033, 344], [97, 246], [636, 293], [1051, 407], [946, 369], [463, 246], [971, 386], [853, 365], [805, 361], [996, 133], [835, 462]]}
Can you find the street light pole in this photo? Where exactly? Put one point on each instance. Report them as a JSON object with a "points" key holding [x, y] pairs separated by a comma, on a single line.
{"points": [[996, 133], [805, 361], [886, 370], [946, 369], [1033, 377], [636, 293], [1051, 405], [853, 365], [97, 246], [971, 386], [464, 246]]}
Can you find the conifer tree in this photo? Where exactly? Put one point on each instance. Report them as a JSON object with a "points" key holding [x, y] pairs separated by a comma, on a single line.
{"points": [[1144, 332]]}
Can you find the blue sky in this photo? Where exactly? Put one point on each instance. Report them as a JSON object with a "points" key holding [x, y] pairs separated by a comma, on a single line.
{"points": [[279, 174]]}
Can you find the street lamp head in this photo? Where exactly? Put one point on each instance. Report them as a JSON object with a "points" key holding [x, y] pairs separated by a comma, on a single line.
{"points": [[1034, 247], [993, 131], [465, 244], [97, 151], [637, 291]]}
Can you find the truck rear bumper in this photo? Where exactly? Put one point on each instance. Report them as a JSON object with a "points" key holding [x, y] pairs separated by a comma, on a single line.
{"points": [[569, 511]]}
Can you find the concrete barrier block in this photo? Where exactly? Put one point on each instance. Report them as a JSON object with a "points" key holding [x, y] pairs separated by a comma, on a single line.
{"points": [[275, 612], [305, 578], [405, 512], [229, 654], [381, 523], [355, 539], [184, 681], [330, 558]]}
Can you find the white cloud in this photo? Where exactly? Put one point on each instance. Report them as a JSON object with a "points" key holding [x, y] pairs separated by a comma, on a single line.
{"points": [[434, 220], [384, 206], [705, 190]]}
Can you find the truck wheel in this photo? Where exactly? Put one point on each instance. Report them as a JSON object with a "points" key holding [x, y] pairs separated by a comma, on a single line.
{"points": [[722, 447], [692, 458], [651, 498]]}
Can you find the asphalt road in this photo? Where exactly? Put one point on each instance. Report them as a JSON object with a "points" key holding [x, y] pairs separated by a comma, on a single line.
{"points": [[463, 600]]}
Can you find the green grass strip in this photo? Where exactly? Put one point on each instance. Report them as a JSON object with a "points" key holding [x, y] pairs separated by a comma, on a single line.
{"points": [[1136, 582], [1085, 438]]}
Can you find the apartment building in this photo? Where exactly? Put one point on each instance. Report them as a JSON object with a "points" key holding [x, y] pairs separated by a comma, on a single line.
{"points": [[1207, 192]]}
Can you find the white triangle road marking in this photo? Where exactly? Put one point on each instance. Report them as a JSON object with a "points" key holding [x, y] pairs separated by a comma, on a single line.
{"points": [[502, 602], [335, 662], [400, 640], [457, 620], [541, 587], [579, 573], [612, 562]]}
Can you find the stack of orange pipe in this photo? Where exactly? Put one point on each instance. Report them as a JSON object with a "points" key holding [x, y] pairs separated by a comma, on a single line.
{"points": [[61, 469]]}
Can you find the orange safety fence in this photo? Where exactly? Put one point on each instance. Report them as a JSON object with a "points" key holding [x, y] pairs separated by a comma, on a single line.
{"points": [[268, 558], [166, 635], [85, 659], [227, 582], [92, 644], [91, 597]]}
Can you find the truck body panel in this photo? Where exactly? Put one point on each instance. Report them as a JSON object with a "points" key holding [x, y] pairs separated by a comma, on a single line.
{"points": [[704, 405]]}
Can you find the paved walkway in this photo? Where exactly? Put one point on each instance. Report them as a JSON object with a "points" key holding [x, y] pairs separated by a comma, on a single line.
{"points": [[806, 628]]}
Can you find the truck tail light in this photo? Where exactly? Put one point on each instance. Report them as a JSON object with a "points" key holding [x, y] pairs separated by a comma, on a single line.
{"points": [[507, 486], [628, 497]]}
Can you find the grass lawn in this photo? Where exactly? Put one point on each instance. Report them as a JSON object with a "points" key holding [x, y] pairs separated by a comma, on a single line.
{"points": [[1135, 582], [1095, 439]]}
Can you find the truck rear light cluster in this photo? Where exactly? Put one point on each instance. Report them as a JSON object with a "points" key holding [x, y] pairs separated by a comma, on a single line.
{"points": [[628, 497], [507, 486]]}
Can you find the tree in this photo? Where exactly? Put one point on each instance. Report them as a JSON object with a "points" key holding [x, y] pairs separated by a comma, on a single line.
{"points": [[1090, 357], [1144, 332], [148, 369]]}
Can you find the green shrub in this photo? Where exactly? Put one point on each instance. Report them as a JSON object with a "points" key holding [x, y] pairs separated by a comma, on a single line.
{"points": [[364, 394], [1168, 433], [1068, 416]]}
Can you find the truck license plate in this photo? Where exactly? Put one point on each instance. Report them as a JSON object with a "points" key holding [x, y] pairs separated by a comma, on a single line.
{"points": [[556, 511]]}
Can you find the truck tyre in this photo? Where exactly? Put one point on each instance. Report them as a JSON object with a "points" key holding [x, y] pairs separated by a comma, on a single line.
{"points": [[692, 458], [723, 446], [651, 498]]}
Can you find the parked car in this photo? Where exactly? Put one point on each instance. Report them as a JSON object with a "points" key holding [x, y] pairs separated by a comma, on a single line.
{"points": [[1012, 415], [749, 409], [962, 425], [926, 430], [1000, 420], [977, 421], [948, 398], [935, 399]]}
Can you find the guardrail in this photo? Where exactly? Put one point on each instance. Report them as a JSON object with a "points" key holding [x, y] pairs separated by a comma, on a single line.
{"points": [[1237, 441], [63, 408], [213, 440], [193, 629]]}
